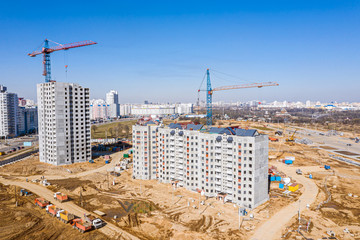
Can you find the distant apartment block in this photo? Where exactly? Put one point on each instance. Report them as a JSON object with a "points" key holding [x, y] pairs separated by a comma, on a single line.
{"points": [[9, 113], [161, 109], [231, 164], [112, 100], [28, 120], [64, 123], [98, 109]]}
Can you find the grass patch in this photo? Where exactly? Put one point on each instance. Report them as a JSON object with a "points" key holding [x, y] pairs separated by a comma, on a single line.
{"points": [[264, 128], [113, 130]]}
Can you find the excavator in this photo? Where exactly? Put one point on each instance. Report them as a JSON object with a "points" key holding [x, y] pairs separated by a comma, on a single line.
{"points": [[291, 139]]}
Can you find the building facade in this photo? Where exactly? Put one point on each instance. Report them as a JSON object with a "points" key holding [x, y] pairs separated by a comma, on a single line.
{"points": [[98, 109], [28, 120], [9, 113], [64, 123], [221, 162], [112, 100]]}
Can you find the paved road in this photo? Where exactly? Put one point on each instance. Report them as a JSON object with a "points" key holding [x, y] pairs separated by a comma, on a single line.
{"points": [[271, 229]]}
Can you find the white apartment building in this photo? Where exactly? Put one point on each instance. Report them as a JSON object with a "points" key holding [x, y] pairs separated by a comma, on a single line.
{"points": [[64, 123], [227, 163], [9, 113], [112, 100], [98, 109]]}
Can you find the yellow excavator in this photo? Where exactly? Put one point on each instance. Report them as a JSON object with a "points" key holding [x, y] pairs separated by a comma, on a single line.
{"points": [[291, 139]]}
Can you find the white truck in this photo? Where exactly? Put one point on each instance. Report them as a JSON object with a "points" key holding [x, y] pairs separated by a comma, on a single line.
{"points": [[96, 222]]}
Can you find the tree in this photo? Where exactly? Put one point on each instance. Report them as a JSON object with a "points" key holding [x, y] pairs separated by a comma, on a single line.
{"points": [[127, 130], [111, 131], [94, 128], [120, 128]]}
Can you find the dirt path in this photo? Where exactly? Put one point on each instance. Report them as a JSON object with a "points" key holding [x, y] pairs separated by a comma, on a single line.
{"points": [[110, 230], [272, 228]]}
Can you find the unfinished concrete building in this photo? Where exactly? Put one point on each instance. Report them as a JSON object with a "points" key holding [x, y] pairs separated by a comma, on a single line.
{"points": [[64, 123], [231, 164]]}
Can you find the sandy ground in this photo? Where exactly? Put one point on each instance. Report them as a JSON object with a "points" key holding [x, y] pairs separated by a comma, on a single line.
{"points": [[152, 210]]}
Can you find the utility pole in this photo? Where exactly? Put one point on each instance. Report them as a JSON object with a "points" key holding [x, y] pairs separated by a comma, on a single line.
{"points": [[15, 198], [81, 201], [299, 211]]}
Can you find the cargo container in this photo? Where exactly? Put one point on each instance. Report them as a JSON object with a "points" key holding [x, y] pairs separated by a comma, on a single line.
{"points": [[293, 187], [277, 178], [81, 225], [60, 196], [41, 202], [65, 216], [288, 161], [126, 155], [272, 178], [281, 185]]}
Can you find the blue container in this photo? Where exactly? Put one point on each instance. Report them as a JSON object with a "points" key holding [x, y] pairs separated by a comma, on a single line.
{"points": [[91, 161], [107, 162], [272, 178], [281, 185], [327, 167], [310, 176], [288, 161], [278, 178]]}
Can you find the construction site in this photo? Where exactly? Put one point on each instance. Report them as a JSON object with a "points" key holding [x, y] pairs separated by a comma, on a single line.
{"points": [[323, 202]]}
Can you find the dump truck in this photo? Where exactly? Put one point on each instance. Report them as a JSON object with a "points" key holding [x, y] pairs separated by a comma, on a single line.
{"points": [[81, 225], [52, 210], [41, 202], [273, 139], [96, 222], [60, 196], [65, 216]]}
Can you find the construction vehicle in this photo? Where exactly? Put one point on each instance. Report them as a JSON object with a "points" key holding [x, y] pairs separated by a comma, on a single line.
{"points": [[273, 139], [278, 133], [46, 50], [291, 139], [298, 171], [81, 225], [96, 222], [24, 192], [65, 216], [2, 153], [52, 210], [60, 196], [41, 202], [209, 92]]}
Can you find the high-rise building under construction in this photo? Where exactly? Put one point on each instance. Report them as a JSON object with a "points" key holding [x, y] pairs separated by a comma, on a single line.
{"points": [[64, 123]]}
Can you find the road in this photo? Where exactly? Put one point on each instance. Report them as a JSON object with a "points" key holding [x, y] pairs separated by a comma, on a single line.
{"points": [[338, 142], [110, 229], [273, 227]]}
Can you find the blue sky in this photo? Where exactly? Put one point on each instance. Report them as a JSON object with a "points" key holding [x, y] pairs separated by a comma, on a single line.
{"points": [[159, 50]]}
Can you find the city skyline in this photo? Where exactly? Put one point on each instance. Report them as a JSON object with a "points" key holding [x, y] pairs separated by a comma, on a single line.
{"points": [[160, 51]]}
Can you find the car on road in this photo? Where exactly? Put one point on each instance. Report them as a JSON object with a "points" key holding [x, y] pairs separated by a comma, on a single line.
{"points": [[349, 145]]}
